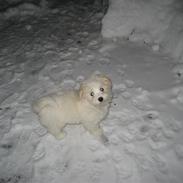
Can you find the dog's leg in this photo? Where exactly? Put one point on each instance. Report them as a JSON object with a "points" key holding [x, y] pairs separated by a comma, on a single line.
{"points": [[56, 132], [50, 118], [95, 130]]}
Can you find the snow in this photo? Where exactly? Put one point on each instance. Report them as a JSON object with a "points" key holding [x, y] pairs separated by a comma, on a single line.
{"points": [[21, 10], [58, 50], [158, 23]]}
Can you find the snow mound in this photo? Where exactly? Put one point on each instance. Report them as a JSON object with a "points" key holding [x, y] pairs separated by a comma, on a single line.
{"points": [[154, 22], [21, 10]]}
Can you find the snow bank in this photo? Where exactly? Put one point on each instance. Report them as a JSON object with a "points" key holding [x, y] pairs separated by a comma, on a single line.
{"points": [[24, 9], [21, 10], [155, 22]]}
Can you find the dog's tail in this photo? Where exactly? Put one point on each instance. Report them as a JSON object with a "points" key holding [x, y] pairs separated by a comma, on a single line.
{"points": [[40, 104]]}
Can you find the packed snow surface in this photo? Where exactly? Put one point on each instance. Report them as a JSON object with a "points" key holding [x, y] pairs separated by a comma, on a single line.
{"points": [[57, 51], [158, 23]]}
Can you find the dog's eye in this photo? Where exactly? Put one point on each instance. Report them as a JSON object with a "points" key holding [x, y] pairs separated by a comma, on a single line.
{"points": [[101, 89], [92, 94]]}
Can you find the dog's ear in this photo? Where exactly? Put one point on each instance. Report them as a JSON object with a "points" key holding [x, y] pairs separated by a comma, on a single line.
{"points": [[104, 79]]}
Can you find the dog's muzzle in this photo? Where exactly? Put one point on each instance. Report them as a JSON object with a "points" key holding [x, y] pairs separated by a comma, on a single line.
{"points": [[100, 99]]}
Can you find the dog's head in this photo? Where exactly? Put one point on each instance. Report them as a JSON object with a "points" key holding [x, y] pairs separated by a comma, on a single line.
{"points": [[97, 90]]}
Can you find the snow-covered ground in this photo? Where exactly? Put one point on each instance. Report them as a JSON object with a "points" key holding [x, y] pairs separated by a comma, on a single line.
{"points": [[158, 23], [56, 50]]}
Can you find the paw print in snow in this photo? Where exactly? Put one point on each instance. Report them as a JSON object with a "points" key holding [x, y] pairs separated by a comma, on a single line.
{"points": [[175, 126], [172, 128], [96, 173], [160, 163], [119, 89], [79, 167], [93, 43], [104, 61], [64, 55], [120, 71], [61, 166], [129, 83], [143, 162], [142, 101], [126, 136], [151, 115], [40, 130], [66, 73], [179, 96], [94, 146], [124, 171], [39, 153], [178, 71], [114, 139], [126, 95], [179, 151], [116, 156], [5, 124]]}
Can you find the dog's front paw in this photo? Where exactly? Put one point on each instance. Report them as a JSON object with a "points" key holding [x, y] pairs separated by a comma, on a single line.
{"points": [[102, 138], [60, 136]]}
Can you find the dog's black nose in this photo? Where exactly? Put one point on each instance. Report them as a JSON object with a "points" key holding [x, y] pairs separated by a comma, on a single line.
{"points": [[100, 99]]}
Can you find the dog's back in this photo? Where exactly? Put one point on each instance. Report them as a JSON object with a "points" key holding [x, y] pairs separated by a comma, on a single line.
{"points": [[57, 108]]}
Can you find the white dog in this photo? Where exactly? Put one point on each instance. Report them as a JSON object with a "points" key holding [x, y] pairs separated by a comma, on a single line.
{"points": [[87, 106]]}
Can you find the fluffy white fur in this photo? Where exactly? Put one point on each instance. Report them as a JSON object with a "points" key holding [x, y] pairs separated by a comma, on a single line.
{"points": [[87, 106]]}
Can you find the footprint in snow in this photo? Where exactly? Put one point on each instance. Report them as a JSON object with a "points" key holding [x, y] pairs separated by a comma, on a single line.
{"points": [[178, 71], [115, 140], [169, 134], [179, 97], [66, 73], [174, 125], [179, 151], [119, 89], [6, 76], [160, 163], [157, 143], [142, 102], [94, 146], [93, 44], [151, 115], [6, 122], [101, 156], [61, 166], [40, 130], [6, 149], [120, 70], [39, 153], [64, 55], [67, 65], [79, 167], [96, 172], [124, 171], [129, 83], [104, 61], [88, 59], [126, 95]]}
